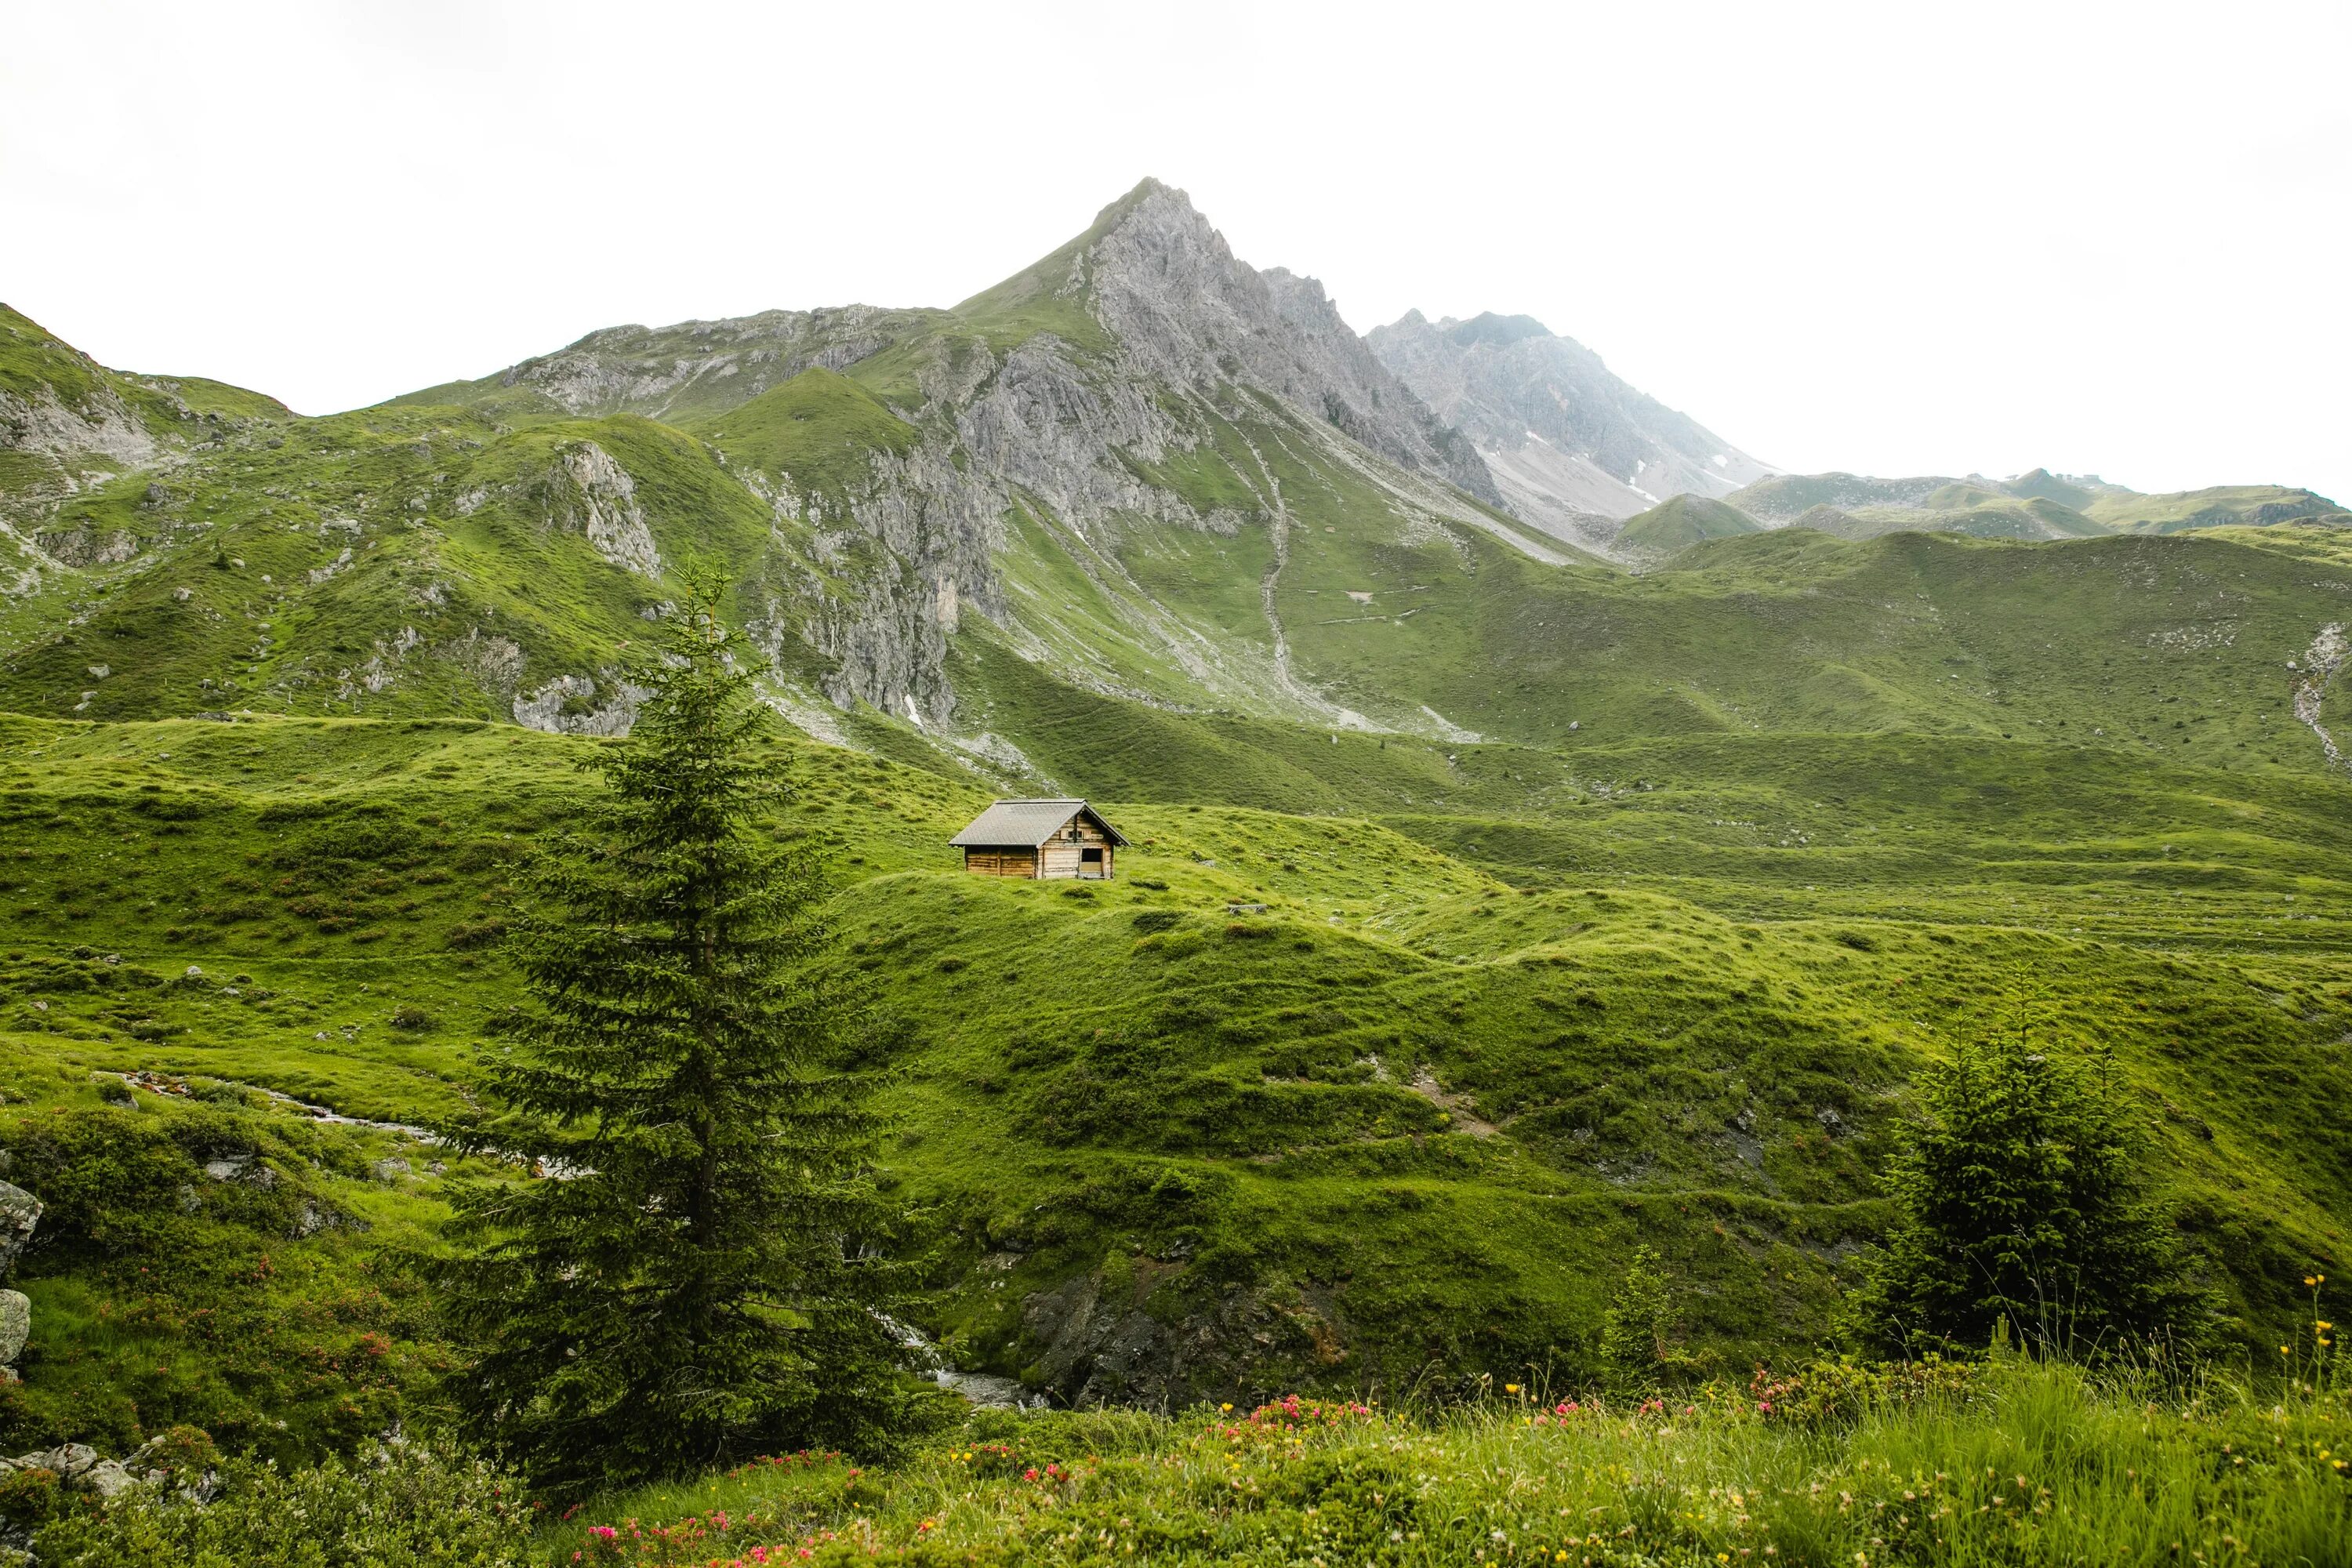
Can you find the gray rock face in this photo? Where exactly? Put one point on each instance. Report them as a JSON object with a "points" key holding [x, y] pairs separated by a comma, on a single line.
{"points": [[1571, 446], [596, 495], [15, 1323], [20, 1211], [1184, 309]]}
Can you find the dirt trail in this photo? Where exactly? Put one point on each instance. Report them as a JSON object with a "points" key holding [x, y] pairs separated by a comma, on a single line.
{"points": [[1279, 516]]}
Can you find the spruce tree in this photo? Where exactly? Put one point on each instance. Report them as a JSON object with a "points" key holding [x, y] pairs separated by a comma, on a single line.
{"points": [[689, 1279], [2019, 1196]]}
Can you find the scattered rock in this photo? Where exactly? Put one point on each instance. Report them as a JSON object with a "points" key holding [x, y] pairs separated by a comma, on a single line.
{"points": [[391, 1169], [15, 1323]]}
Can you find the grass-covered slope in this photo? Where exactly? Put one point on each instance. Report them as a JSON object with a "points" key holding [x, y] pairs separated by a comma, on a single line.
{"points": [[1409, 1119]]}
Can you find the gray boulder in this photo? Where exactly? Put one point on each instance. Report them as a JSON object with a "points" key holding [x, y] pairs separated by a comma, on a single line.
{"points": [[70, 1461], [107, 1478], [20, 1211], [15, 1323]]}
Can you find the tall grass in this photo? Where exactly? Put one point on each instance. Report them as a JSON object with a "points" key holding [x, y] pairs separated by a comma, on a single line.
{"points": [[2014, 1463]]}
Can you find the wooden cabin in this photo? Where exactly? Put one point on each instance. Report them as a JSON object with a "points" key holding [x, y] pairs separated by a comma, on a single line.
{"points": [[1042, 839]]}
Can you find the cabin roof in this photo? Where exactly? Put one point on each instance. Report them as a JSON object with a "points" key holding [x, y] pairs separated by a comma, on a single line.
{"points": [[1028, 822]]}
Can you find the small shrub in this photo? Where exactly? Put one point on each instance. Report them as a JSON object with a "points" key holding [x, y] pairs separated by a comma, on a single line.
{"points": [[414, 1020], [480, 933], [29, 1499]]}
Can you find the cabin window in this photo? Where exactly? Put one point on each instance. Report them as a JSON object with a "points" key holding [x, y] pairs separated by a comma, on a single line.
{"points": [[1090, 857]]}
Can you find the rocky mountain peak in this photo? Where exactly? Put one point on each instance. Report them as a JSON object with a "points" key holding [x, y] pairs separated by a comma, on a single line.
{"points": [[1184, 309]]}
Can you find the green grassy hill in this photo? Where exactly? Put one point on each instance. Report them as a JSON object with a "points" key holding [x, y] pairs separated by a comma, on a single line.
{"points": [[2221, 506], [1680, 523]]}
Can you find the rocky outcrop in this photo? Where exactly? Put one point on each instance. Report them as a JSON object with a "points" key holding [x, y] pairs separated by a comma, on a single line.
{"points": [[661, 372], [590, 493], [102, 427], [1364, 399], [86, 546], [580, 705], [1098, 1346]]}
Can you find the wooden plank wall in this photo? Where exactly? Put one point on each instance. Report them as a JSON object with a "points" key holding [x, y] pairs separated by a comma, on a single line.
{"points": [[1000, 862]]}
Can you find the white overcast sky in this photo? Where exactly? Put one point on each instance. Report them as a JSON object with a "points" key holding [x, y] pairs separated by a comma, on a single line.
{"points": [[1892, 239]]}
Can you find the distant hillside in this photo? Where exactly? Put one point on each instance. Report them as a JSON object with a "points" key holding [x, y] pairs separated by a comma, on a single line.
{"points": [[2035, 505], [1573, 447], [2221, 506], [1782, 498]]}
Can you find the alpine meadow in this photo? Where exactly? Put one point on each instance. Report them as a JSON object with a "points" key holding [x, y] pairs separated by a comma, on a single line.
{"points": [[1117, 924]]}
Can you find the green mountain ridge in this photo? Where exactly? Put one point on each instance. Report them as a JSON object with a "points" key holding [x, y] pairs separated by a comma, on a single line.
{"points": [[2035, 505], [1601, 907]]}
